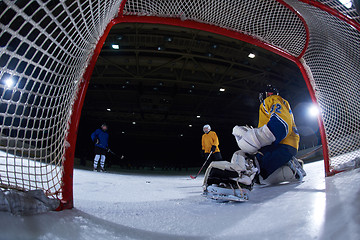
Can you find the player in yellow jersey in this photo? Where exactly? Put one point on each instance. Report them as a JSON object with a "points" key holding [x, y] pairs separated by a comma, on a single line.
{"points": [[210, 143], [275, 142]]}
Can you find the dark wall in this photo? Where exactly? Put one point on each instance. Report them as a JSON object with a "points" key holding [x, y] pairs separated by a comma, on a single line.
{"points": [[149, 149]]}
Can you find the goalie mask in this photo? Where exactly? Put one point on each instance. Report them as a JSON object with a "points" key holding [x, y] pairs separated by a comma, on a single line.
{"points": [[269, 90]]}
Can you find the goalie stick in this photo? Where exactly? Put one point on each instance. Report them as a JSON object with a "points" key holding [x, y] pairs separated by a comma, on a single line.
{"points": [[192, 177]]}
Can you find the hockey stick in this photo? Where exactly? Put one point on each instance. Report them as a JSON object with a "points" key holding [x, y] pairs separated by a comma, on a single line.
{"points": [[317, 149], [192, 177], [122, 156], [109, 150]]}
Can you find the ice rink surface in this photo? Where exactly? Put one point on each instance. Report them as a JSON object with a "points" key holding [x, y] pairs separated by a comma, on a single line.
{"points": [[129, 206]]}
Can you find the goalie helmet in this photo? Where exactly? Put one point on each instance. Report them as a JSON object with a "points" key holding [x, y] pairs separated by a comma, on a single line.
{"points": [[269, 90]]}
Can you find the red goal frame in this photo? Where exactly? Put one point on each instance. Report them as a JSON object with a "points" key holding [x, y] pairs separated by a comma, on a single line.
{"points": [[67, 179]]}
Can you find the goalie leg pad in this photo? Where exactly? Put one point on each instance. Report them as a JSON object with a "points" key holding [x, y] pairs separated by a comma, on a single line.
{"points": [[241, 171], [282, 174], [239, 158], [225, 181], [222, 166]]}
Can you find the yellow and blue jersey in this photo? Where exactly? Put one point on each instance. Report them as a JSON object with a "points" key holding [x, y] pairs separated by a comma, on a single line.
{"points": [[276, 113]]}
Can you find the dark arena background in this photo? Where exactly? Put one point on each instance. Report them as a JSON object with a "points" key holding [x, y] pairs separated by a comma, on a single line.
{"points": [[157, 85]]}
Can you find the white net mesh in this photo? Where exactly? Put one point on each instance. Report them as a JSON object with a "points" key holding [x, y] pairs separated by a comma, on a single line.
{"points": [[333, 56], [268, 21], [45, 47], [347, 8]]}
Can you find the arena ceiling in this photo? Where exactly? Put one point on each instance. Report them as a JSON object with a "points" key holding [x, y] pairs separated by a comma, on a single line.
{"points": [[162, 77]]}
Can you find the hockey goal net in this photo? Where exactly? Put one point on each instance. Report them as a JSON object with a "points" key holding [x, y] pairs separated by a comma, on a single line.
{"points": [[48, 50]]}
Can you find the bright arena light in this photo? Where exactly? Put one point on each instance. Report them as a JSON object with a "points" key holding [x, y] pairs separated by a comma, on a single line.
{"points": [[9, 82], [346, 3], [251, 55], [115, 46], [314, 111]]}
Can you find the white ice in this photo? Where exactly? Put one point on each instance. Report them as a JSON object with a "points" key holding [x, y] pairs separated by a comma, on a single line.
{"points": [[25, 173], [130, 206]]}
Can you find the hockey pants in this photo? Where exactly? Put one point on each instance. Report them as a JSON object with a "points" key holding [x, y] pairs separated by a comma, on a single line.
{"points": [[273, 157]]}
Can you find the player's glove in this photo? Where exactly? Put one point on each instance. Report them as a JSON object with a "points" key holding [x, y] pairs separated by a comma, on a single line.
{"points": [[213, 148]]}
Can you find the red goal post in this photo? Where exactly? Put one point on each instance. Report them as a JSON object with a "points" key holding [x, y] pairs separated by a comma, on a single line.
{"points": [[51, 68]]}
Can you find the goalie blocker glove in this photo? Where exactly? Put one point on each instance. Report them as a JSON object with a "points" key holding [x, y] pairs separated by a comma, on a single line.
{"points": [[250, 140], [239, 131]]}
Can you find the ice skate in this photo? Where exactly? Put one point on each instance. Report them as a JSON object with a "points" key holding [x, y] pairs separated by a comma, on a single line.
{"points": [[227, 192], [297, 168]]}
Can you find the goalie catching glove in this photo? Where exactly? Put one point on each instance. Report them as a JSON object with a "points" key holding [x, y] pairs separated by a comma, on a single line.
{"points": [[250, 140]]}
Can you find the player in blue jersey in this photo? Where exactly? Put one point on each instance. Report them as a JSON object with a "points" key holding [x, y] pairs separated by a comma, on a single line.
{"points": [[100, 137]]}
